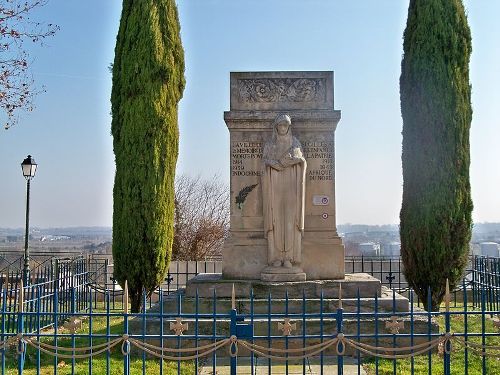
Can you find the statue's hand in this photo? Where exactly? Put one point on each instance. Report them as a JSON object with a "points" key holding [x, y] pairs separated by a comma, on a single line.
{"points": [[288, 160], [277, 165]]}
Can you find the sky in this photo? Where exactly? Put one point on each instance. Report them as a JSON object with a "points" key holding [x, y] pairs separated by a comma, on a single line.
{"points": [[68, 133]]}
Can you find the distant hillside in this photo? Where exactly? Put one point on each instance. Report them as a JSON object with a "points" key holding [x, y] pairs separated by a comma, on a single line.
{"points": [[356, 228], [486, 227], [65, 231], [478, 229]]}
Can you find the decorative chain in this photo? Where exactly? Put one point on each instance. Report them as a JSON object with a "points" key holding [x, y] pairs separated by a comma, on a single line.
{"points": [[339, 343]]}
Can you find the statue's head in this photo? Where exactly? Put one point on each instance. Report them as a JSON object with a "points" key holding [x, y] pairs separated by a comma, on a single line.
{"points": [[282, 124]]}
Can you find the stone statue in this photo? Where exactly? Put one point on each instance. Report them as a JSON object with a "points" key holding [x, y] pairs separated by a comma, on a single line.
{"points": [[283, 184]]}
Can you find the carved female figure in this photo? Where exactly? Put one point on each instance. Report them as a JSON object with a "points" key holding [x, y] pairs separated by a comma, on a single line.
{"points": [[283, 184]]}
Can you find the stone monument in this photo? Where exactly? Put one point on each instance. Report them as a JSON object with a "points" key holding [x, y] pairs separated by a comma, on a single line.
{"points": [[282, 134], [283, 237]]}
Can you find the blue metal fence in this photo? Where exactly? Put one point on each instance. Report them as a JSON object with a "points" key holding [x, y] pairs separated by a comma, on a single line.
{"points": [[69, 278], [82, 329], [484, 277]]}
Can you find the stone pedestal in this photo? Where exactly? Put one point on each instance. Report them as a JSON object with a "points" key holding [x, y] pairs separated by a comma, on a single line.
{"points": [[282, 274], [257, 98], [205, 284]]}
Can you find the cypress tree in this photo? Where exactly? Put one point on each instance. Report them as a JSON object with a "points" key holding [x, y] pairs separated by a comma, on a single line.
{"points": [[436, 108], [148, 82]]}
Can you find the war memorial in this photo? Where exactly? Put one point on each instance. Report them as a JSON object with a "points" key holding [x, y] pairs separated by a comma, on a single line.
{"points": [[283, 236], [284, 254]]}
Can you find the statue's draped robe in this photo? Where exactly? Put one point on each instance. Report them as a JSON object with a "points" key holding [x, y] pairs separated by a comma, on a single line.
{"points": [[283, 199]]}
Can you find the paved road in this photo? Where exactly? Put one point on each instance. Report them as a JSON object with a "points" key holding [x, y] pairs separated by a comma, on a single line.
{"points": [[329, 367]]}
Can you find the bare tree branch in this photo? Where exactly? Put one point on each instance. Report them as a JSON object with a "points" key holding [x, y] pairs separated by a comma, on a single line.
{"points": [[17, 87], [201, 218]]}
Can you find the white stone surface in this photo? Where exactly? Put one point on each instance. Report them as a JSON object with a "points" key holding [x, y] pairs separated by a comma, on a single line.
{"points": [[283, 190], [257, 98]]}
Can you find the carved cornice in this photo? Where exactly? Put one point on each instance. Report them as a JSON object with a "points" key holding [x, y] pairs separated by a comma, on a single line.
{"points": [[266, 116], [301, 120], [282, 90]]}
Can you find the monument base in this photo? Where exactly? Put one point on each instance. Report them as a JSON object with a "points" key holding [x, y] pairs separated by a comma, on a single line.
{"points": [[282, 274], [246, 257], [206, 284]]}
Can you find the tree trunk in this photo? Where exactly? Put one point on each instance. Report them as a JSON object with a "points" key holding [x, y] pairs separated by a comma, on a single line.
{"points": [[136, 299]]}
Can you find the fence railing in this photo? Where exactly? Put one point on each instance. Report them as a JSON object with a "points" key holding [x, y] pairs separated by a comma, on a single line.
{"points": [[71, 316], [481, 272], [284, 336], [70, 279], [484, 277], [178, 274]]}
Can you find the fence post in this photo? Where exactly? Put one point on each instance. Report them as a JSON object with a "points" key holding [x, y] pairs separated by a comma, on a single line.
{"points": [[55, 316], [2, 324], [106, 265], [55, 275], [125, 344], [340, 347], [232, 332], [21, 348], [447, 343], [73, 318]]}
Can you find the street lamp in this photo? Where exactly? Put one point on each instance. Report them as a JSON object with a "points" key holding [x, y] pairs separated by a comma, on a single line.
{"points": [[29, 168]]}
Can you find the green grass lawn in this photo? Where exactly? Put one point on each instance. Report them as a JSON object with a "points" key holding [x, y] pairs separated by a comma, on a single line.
{"points": [[421, 363]]}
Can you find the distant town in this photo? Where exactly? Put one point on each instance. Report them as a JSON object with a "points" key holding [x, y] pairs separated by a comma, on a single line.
{"points": [[359, 239], [58, 241], [383, 240]]}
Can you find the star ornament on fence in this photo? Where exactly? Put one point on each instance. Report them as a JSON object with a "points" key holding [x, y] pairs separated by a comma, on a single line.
{"points": [[178, 327], [394, 325], [287, 327]]}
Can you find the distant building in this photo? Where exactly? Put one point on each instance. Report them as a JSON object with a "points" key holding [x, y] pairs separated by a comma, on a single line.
{"points": [[369, 249], [390, 249], [489, 249], [50, 237]]}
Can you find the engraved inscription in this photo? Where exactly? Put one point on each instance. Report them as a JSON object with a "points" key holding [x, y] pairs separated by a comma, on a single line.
{"points": [[241, 155], [320, 156], [295, 90]]}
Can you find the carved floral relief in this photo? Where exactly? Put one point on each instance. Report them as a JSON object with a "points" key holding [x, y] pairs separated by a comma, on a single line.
{"points": [[282, 90]]}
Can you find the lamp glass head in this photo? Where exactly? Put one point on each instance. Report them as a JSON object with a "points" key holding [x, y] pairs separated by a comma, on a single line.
{"points": [[29, 167]]}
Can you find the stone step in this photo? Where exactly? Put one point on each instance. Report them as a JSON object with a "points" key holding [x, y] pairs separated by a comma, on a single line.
{"points": [[260, 366], [205, 284], [387, 302]]}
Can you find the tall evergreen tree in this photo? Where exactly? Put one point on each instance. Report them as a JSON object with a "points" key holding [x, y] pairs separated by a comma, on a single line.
{"points": [[436, 109], [148, 82]]}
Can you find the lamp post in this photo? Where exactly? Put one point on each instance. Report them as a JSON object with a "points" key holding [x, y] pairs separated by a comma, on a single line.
{"points": [[29, 168]]}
